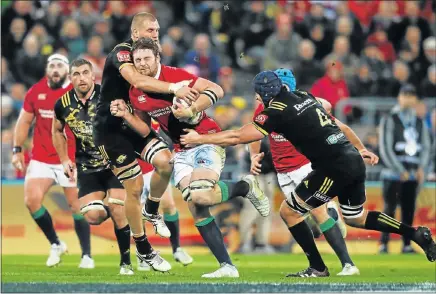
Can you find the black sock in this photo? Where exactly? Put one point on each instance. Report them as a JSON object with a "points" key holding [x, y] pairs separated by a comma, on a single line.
{"points": [[142, 244], [303, 235], [45, 223], [151, 207], [123, 239], [381, 222], [334, 237], [83, 232], [214, 239], [241, 188], [172, 222]]}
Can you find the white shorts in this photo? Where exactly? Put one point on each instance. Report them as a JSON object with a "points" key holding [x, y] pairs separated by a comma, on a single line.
{"points": [[38, 169], [204, 156], [146, 188], [289, 181]]}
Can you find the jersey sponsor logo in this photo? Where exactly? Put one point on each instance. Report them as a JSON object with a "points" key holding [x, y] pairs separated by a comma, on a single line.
{"points": [[261, 118], [46, 113], [335, 138], [321, 197], [160, 112], [278, 138], [300, 106], [42, 96], [123, 56], [121, 158], [142, 99]]}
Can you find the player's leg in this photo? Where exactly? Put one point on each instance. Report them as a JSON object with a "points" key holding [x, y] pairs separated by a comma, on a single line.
{"points": [[39, 179], [408, 204], [333, 235], [171, 218], [355, 215], [391, 189], [155, 151], [81, 226]]}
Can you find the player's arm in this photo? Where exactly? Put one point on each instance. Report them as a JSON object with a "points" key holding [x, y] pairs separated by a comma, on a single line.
{"points": [[246, 134], [21, 132], [325, 104], [119, 108], [150, 84], [254, 147]]}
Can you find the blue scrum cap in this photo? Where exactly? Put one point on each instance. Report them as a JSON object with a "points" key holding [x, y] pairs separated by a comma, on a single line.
{"points": [[267, 84], [287, 77]]}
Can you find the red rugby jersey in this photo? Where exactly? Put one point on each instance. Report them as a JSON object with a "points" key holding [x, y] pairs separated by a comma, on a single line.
{"points": [[40, 101]]}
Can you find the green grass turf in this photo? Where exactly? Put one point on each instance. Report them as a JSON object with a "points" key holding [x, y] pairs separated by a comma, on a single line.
{"points": [[407, 269]]}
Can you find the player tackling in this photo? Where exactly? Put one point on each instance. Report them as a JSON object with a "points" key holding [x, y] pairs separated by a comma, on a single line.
{"points": [[45, 167], [196, 170], [338, 168]]}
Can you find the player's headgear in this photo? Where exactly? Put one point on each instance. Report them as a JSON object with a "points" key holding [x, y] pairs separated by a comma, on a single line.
{"points": [[58, 57], [268, 85], [287, 77]]}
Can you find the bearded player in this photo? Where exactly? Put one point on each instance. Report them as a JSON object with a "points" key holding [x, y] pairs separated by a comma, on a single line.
{"points": [[196, 170], [45, 167], [123, 142], [338, 167], [292, 167]]}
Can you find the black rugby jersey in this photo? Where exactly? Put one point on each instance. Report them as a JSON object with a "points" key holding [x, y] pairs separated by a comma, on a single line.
{"points": [[302, 120], [78, 116]]}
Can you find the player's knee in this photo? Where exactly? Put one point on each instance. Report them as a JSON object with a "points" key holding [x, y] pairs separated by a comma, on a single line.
{"points": [[32, 202], [200, 197], [162, 164], [320, 214], [201, 191], [354, 216], [95, 217], [117, 212]]}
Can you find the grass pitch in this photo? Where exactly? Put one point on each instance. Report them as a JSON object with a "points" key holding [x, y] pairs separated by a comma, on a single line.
{"points": [[258, 273]]}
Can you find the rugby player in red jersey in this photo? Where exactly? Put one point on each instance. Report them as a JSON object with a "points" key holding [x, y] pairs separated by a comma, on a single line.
{"points": [[170, 213], [196, 170], [45, 167]]}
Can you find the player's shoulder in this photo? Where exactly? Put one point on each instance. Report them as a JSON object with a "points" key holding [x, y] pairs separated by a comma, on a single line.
{"points": [[172, 70], [126, 45], [38, 87], [121, 52], [66, 100]]}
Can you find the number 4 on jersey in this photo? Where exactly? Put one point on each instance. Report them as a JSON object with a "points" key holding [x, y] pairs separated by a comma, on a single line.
{"points": [[323, 118]]}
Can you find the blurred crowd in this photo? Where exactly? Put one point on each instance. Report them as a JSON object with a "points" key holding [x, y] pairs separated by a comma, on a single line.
{"points": [[337, 49]]}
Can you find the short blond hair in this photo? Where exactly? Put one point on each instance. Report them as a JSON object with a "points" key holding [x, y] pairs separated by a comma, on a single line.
{"points": [[139, 19]]}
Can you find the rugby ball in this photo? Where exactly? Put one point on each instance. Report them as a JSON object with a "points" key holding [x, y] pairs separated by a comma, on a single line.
{"points": [[193, 120]]}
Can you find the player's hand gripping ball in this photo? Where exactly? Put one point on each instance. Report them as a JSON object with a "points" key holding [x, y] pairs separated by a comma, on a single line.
{"points": [[184, 112]]}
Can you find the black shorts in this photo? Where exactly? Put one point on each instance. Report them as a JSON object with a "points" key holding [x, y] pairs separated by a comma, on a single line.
{"points": [[322, 185], [97, 181], [121, 145]]}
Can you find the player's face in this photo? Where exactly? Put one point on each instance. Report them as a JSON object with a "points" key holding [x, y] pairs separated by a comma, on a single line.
{"points": [[145, 62], [56, 72], [82, 78], [150, 29]]}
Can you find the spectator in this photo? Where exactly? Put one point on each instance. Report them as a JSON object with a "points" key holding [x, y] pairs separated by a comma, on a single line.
{"points": [[71, 36], [344, 27], [53, 20], [307, 69], [428, 86], [429, 52], [412, 18], [364, 10], [385, 18], [13, 41], [86, 16], [120, 28], [380, 39], [203, 57], [322, 40], [96, 57], [401, 74], [363, 84], [332, 86], [7, 78], [102, 29], [8, 113], [281, 47], [410, 52], [227, 81], [316, 16], [18, 9], [7, 170], [29, 63], [374, 58], [48, 45], [341, 53], [17, 93], [168, 54], [175, 37]]}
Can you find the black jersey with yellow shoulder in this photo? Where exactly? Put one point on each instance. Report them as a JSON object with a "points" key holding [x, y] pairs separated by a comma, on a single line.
{"points": [[70, 110], [301, 119]]}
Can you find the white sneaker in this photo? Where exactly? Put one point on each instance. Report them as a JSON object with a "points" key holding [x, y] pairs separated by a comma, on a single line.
{"points": [[56, 252], [349, 270], [126, 270], [142, 266], [339, 221], [256, 196], [87, 262], [155, 261], [181, 256], [225, 271], [158, 223]]}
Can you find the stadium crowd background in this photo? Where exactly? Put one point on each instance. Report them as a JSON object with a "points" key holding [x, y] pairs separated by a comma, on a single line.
{"points": [[337, 49]]}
